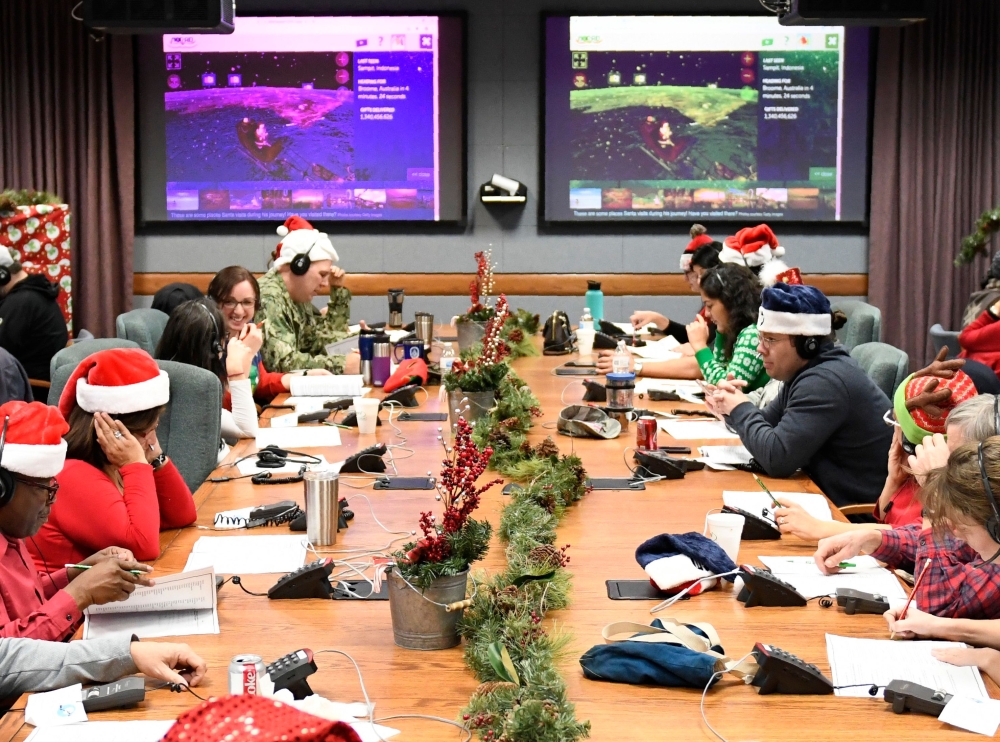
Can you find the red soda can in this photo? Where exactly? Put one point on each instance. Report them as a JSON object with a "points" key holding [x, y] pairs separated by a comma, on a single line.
{"points": [[245, 672], [645, 433]]}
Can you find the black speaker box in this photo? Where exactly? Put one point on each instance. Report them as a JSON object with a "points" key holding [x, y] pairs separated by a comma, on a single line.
{"points": [[160, 16]]}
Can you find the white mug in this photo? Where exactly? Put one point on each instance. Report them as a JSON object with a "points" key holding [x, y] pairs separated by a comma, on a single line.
{"points": [[366, 411], [725, 529], [585, 341]]}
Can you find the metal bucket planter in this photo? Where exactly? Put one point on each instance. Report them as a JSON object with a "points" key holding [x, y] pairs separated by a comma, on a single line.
{"points": [[469, 333], [471, 405], [418, 623]]}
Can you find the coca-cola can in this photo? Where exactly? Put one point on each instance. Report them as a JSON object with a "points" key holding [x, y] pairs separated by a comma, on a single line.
{"points": [[245, 672], [645, 433]]}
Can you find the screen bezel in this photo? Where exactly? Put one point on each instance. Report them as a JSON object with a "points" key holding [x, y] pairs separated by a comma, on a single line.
{"points": [[452, 127], [674, 224]]}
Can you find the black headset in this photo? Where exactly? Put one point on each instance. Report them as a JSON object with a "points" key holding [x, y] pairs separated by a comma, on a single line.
{"points": [[217, 334], [807, 346], [993, 522], [7, 483], [4, 275]]}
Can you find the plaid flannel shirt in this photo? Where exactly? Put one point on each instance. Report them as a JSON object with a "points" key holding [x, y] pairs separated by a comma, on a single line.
{"points": [[957, 583]]}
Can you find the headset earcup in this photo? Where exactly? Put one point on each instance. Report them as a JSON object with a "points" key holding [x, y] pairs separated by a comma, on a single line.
{"points": [[993, 528], [300, 264], [7, 485], [4, 276]]}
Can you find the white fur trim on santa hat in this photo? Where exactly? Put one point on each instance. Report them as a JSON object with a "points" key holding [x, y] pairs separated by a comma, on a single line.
{"points": [[769, 272], [686, 261], [34, 461], [300, 241], [760, 256], [674, 571], [6, 259], [121, 400], [792, 323], [729, 255]]}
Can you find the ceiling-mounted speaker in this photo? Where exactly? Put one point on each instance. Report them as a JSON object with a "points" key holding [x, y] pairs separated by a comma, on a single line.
{"points": [[855, 12], [160, 16]]}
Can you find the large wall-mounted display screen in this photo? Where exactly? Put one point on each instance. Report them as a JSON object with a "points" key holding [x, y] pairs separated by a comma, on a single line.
{"points": [[334, 118], [692, 118]]}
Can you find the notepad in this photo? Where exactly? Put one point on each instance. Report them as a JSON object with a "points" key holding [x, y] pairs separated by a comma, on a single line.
{"points": [[177, 605], [724, 456], [867, 575], [754, 502], [248, 555], [311, 436], [869, 662], [104, 731], [344, 385], [686, 430]]}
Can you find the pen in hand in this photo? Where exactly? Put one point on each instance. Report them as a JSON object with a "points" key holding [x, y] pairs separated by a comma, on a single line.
{"points": [[766, 490], [87, 566]]}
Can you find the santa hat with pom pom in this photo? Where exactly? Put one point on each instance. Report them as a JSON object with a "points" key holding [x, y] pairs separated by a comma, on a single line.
{"points": [[752, 247], [117, 381], [298, 237], [34, 445], [699, 237]]}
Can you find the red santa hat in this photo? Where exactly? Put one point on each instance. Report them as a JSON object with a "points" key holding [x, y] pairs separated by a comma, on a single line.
{"points": [[299, 237], [752, 247], [116, 381], [699, 237], [34, 445]]}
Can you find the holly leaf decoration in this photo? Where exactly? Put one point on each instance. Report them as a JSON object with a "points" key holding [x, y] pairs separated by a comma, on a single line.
{"points": [[502, 664], [525, 579]]}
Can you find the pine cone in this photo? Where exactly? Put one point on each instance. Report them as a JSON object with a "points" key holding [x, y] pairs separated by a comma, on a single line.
{"points": [[547, 448], [507, 599], [491, 686], [546, 555]]}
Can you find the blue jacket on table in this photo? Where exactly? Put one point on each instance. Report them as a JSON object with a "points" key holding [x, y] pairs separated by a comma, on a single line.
{"points": [[826, 421]]}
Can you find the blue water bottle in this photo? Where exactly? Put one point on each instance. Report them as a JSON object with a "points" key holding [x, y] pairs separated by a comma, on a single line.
{"points": [[595, 300]]}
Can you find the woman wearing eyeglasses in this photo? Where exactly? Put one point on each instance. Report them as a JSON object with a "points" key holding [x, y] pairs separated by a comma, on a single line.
{"points": [[236, 292]]}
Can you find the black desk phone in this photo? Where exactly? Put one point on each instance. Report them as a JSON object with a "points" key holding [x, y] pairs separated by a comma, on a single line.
{"points": [[783, 672], [125, 692], [309, 581], [366, 461], [906, 696], [761, 587], [291, 672], [857, 601], [755, 527]]}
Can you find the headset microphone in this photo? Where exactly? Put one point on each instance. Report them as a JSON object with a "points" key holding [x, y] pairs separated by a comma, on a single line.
{"points": [[7, 483]]}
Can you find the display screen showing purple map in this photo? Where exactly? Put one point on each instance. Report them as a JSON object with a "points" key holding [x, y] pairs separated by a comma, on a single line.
{"points": [[694, 118], [330, 118]]}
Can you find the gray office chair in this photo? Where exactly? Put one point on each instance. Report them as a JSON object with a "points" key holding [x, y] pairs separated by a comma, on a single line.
{"points": [[864, 324], [941, 337], [191, 425], [885, 365], [143, 326]]}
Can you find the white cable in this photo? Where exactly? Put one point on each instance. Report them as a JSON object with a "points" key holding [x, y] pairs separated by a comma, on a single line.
{"points": [[371, 509], [73, 14], [673, 599], [635, 472], [705, 692]]}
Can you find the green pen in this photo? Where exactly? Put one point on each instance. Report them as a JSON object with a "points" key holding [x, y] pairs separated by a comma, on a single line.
{"points": [[845, 565], [336, 425], [87, 566], [764, 487]]}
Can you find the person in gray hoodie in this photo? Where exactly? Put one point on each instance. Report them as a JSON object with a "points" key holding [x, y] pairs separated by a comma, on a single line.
{"points": [[828, 419], [32, 665]]}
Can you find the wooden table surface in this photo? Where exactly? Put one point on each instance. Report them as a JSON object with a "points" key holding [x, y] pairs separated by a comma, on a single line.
{"points": [[603, 530]]}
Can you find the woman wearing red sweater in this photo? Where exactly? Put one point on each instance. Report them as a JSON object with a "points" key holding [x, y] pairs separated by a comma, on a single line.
{"points": [[236, 292], [980, 341], [117, 487]]}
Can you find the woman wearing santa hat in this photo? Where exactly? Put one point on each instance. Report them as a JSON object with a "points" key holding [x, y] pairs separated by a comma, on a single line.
{"points": [[117, 487], [295, 334]]}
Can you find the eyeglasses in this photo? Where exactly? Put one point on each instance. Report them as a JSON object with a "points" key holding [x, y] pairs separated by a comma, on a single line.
{"points": [[51, 489], [768, 343], [247, 304], [889, 418]]}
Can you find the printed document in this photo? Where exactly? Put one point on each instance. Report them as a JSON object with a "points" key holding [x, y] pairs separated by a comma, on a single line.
{"points": [[248, 555]]}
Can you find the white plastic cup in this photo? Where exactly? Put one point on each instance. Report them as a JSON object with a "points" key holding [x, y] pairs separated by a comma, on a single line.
{"points": [[726, 529], [366, 409], [585, 341]]}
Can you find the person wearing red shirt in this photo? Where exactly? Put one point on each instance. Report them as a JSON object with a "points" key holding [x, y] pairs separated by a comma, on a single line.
{"points": [[50, 607], [980, 340], [117, 487], [235, 291]]}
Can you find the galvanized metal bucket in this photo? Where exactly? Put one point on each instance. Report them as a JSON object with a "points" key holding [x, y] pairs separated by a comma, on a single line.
{"points": [[469, 333], [470, 405], [418, 623]]}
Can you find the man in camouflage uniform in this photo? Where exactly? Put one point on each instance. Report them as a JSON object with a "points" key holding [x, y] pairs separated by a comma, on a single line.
{"points": [[295, 332]]}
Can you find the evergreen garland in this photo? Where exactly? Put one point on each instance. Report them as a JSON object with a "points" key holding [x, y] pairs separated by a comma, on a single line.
{"points": [[11, 200], [978, 242]]}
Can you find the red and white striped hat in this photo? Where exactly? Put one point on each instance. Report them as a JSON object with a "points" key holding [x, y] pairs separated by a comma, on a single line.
{"points": [[34, 446], [117, 381]]}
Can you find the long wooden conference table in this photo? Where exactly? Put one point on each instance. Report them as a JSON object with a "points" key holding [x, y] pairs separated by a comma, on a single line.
{"points": [[603, 531]]}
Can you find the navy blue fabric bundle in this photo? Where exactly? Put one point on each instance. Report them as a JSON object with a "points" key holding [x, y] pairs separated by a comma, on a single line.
{"points": [[704, 552], [650, 663]]}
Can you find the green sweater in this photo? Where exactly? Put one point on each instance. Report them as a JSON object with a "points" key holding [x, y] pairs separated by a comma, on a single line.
{"points": [[745, 364]]}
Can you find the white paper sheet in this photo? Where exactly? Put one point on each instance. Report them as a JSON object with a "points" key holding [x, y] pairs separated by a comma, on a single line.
{"points": [[696, 430], [803, 574], [153, 625], [311, 436], [193, 590], [727, 455], [658, 350], [979, 715], [344, 385], [754, 502], [105, 731], [877, 661], [342, 347], [248, 555], [56, 708]]}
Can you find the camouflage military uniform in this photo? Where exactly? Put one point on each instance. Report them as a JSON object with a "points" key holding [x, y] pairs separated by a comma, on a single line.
{"points": [[295, 334]]}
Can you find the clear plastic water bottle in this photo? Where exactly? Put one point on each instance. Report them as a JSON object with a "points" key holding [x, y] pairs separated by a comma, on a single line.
{"points": [[620, 360], [447, 358], [586, 321]]}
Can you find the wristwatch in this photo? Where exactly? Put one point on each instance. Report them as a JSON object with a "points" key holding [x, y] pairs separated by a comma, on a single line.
{"points": [[637, 367], [158, 461]]}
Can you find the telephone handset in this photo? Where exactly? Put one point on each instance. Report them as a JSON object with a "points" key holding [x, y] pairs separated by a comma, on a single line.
{"points": [[309, 581], [783, 672], [762, 588], [755, 527]]}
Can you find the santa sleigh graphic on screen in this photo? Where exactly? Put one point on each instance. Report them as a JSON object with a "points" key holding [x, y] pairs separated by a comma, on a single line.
{"points": [[270, 155]]}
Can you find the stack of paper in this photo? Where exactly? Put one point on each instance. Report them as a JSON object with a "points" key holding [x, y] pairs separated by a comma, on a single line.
{"points": [[177, 605], [724, 458], [248, 555], [866, 575], [702, 429], [754, 502], [303, 436], [867, 662], [344, 385], [658, 350]]}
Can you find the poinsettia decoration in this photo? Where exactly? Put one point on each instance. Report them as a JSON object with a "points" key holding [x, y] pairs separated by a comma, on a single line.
{"points": [[450, 545]]}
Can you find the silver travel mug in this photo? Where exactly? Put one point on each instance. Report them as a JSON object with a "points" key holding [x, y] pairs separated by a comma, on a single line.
{"points": [[322, 490], [423, 327]]}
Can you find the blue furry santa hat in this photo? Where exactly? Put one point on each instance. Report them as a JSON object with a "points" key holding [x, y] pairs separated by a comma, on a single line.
{"points": [[674, 561], [789, 309]]}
